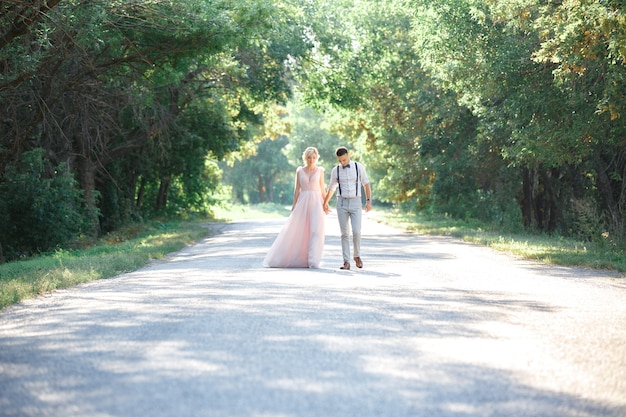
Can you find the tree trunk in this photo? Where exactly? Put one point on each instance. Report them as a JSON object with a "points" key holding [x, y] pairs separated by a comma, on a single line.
{"points": [[539, 200], [261, 189], [161, 202], [614, 212], [527, 198], [548, 209], [269, 189], [141, 193], [87, 179]]}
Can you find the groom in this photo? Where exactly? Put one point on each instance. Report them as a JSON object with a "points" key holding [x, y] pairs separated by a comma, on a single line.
{"points": [[348, 177]]}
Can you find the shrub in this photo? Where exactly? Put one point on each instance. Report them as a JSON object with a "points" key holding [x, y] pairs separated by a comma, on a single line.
{"points": [[40, 206]]}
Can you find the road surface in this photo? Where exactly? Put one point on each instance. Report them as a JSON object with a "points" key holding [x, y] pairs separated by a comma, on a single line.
{"points": [[431, 326]]}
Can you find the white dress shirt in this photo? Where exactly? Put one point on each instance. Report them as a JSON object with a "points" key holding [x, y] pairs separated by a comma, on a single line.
{"points": [[348, 180]]}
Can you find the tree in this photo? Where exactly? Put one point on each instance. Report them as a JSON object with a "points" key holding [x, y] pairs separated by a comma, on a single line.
{"points": [[132, 95], [585, 43], [265, 176]]}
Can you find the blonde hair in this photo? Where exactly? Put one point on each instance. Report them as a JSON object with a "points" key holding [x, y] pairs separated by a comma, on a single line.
{"points": [[308, 151]]}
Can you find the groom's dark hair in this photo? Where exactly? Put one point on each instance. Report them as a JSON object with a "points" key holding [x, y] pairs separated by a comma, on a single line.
{"points": [[342, 150]]}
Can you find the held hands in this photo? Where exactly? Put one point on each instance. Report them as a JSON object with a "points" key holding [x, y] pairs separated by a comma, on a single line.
{"points": [[326, 208]]}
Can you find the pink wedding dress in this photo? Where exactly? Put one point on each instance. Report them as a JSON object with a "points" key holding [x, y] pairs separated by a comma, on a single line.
{"points": [[301, 240]]}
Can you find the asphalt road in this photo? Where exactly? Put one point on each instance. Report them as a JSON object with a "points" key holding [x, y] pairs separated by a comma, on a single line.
{"points": [[430, 327]]}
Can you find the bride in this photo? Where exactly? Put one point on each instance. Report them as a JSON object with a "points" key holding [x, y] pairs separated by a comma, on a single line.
{"points": [[301, 240]]}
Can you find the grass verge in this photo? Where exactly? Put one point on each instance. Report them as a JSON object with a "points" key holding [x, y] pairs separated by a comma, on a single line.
{"points": [[123, 251], [555, 250], [232, 212]]}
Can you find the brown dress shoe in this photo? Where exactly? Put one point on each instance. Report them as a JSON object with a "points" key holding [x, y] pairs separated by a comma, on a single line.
{"points": [[346, 265], [358, 261]]}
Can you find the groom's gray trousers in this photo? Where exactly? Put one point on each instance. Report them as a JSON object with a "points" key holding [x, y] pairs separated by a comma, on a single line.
{"points": [[349, 209]]}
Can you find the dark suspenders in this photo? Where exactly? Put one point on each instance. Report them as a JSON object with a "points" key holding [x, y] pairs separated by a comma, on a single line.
{"points": [[357, 179]]}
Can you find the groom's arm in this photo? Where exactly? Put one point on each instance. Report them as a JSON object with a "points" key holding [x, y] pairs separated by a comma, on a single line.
{"points": [[332, 185], [368, 197]]}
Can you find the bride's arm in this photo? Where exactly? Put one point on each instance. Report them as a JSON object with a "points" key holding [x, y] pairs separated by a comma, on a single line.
{"points": [[323, 189], [296, 188]]}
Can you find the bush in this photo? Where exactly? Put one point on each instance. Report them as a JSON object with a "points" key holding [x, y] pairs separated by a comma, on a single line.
{"points": [[40, 206]]}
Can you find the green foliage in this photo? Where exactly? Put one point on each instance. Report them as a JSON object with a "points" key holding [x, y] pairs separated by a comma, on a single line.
{"points": [[135, 97], [266, 176], [40, 207], [312, 128], [511, 112], [589, 226], [507, 112]]}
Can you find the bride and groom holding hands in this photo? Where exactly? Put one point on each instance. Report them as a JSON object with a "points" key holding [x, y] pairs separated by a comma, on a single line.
{"points": [[300, 242]]}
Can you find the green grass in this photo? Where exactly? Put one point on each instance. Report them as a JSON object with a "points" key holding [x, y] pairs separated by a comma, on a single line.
{"points": [[540, 247], [126, 250], [233, 212]]}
